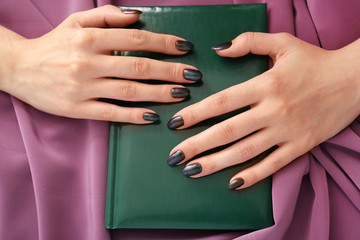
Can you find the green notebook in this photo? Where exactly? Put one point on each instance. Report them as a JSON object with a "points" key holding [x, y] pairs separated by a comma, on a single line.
{"points": [[143, 191]]}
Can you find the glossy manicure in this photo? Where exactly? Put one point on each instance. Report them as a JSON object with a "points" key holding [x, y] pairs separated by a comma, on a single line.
{"points": [[192, 169], [131, 11], [184, 45], [175, 158], [175, 122], [237, 182], [192, 75], [153, 117], [222, 46], [180, 92]]}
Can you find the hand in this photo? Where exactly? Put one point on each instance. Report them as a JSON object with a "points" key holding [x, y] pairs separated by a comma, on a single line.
{"points": [[66, 71], [307, 97]]}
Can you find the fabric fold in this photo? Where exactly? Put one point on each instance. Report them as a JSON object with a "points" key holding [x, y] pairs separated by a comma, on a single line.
{"points": [[53, 169]]}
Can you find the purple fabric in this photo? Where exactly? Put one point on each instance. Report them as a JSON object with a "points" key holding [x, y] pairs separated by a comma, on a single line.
{"points": [[53, 169]]}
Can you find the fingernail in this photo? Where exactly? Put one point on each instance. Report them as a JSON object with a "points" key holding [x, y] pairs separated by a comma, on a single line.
{"points": [[237, 182], [175, 158], [222, 46], [180, 92], [184, 45], [175, 122], [192, 75], [131, 11], [192, 169], [153, 117]]}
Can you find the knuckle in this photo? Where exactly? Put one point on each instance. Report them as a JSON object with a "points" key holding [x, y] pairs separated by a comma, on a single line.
{"points": [[137, 36], [225, 132], [284, 37], [168, 42], [275, 84], [311, 139], [71, 89], [140, 66], [128, 90], [249, 38], [73, 17], [109, 7], [246, 152], [78, 65], [132, 116], [280, 110], [107, 114], [220, 101], [84, 38], [284, 109], [175, 71]]}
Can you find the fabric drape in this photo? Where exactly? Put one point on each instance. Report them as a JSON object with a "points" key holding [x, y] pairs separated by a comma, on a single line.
{"points": [[53, 169]]}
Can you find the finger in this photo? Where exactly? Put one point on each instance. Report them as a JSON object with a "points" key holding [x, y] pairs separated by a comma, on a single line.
{"points": [[139, 40], [133, 91], [102, 17], [237, 153], [220, 134], [97, 110], [228, 100], [266, 167], [271, 44], [145, 68]]}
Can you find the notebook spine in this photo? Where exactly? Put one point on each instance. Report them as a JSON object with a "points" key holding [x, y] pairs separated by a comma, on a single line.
{"points": [[111, 184]]}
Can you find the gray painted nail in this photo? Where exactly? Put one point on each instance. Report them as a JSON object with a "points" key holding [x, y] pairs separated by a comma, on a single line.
{"points": [[184, 45], [192, 75], [180, 92], [153, 117], [237, 182], [222, 46], [131, 11], [175, 122], [192, 169], [175, 158]]}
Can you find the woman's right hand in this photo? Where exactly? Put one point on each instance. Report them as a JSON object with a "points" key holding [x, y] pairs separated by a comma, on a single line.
{"points": [[66, 71]]}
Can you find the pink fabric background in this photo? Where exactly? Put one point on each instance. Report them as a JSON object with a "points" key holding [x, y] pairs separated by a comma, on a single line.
{"points": [[53, 169]]}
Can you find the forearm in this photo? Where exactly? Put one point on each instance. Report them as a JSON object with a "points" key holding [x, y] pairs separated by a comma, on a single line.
{"points": [[8, 41]]}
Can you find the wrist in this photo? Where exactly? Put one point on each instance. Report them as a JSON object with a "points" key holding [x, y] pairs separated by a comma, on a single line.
{"points": [[8, 49], [349, 59]]}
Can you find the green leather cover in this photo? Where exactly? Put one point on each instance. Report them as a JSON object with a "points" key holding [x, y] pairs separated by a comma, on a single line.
{"points": [[143, 191]]}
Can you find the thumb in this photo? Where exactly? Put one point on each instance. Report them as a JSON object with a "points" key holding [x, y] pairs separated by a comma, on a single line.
{"points": [[104, 16], [271, 44]]}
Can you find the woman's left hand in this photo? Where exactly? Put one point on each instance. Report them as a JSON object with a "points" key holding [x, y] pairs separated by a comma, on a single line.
{"points": [[307, 97]]}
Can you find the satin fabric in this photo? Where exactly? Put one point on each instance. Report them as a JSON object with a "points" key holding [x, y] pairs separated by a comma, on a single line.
{"points": [[53, 169]]}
